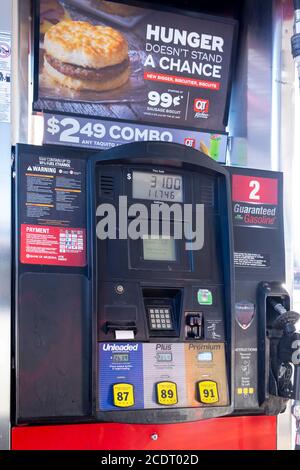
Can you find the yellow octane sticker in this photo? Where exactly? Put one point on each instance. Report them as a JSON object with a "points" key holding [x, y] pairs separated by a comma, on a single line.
{"points": [[166, 393], [123, 395], [208, 392]]}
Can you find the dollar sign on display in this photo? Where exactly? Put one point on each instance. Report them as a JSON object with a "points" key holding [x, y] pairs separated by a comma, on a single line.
{"points": [[53, 127]]}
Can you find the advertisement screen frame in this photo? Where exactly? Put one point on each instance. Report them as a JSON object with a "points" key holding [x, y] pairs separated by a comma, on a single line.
{"points": [[146, 5]]}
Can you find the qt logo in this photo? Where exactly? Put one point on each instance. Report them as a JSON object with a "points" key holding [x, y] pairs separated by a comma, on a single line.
{"points": [[201, 106], [189, 142]]}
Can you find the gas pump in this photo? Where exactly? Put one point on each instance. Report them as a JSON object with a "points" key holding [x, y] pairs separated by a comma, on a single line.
{"points": [[174, 304], [118, 327], [121, 340], [147, 329]]}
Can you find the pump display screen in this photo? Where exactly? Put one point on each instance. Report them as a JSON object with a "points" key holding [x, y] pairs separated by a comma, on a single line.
{"points": [[159, 249], [205, 357], [120, 357], [164, 357], [157, 187]]}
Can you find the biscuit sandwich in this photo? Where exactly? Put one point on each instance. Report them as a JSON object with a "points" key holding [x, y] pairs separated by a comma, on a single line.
{"points": [[81, 56]]}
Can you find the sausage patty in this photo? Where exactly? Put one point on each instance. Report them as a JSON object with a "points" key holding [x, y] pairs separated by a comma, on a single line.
{"points": [[85, 73]]}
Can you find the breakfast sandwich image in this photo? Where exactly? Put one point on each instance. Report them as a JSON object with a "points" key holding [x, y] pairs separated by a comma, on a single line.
{"points": [[81, 56]]}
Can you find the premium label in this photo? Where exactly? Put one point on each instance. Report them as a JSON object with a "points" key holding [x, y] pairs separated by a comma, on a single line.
{"points": [[206, 377]]}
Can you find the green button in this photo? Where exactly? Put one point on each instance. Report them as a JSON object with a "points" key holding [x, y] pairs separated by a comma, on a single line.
{"points": [[205, 297]]}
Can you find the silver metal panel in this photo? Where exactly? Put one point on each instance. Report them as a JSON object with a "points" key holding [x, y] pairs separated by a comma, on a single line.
{"points": [[262, 115], [250, 122], [5, 259]]}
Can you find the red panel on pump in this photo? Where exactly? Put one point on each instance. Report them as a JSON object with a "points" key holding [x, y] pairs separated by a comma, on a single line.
{"points": [[243, 433]]}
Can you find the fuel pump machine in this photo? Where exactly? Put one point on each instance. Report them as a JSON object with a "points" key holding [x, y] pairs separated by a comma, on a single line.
{"points": [[112, 325]]}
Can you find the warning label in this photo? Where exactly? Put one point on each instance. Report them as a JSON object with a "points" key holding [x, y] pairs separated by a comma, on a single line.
{"points": [[53, 211], [53, 245], [251, 260], [53, 191]]}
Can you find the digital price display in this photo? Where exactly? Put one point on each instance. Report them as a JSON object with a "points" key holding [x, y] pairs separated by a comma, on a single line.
{"points": [[120, 357], [164, 357], [205, 357], [157, 187]]}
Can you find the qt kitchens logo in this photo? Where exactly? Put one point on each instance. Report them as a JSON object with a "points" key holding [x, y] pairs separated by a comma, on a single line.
{"points": [[201, 108]]}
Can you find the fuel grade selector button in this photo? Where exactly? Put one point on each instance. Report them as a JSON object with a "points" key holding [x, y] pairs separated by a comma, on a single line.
{"points": [[204, 297], [208, 392], [166, 393], [123, 395]]}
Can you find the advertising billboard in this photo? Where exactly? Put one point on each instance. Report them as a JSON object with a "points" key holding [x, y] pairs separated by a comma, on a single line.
{"points": [[117, 61], [103, 134]]}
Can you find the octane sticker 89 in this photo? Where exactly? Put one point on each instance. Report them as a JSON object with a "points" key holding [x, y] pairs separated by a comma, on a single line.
{"points": [[166, 393]]}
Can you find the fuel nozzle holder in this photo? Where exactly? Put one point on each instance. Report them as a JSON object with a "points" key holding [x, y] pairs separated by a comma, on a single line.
{"points": [[286, 320]]}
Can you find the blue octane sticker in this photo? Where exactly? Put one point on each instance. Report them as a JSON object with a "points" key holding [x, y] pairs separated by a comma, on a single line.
{"points": [[120, 363]]}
